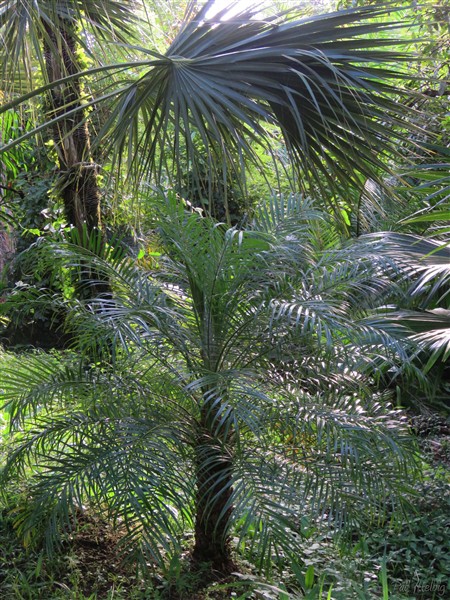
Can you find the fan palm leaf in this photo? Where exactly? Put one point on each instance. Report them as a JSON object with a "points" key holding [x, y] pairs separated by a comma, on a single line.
{"points": [[327, 83], [320, 79]]}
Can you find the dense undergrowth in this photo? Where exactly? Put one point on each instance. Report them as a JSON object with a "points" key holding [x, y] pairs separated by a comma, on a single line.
{"points": [[403, 561]]}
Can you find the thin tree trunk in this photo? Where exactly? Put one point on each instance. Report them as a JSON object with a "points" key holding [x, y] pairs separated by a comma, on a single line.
{"points": [[6, 237], [79, 178], [78, 185]]}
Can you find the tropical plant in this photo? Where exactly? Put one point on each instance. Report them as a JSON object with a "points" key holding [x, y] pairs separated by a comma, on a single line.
{"points": [[327, 83], [425, 310], [48, 34], [227, 389]]}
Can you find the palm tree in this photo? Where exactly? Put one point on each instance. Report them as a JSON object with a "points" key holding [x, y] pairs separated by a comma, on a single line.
{"points": [[223, 88], [228, 393], [46, 33]]}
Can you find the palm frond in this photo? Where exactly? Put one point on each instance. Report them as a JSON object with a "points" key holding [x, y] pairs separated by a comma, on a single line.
{"points": [[282, 485], [424, 266], [25, 24], [325, 81], [235, 384], [425, 261], [320, 79], [88, 434], [430, 329]]}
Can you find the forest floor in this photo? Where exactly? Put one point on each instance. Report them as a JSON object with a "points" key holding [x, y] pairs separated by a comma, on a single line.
{"points": [[90, 563]]}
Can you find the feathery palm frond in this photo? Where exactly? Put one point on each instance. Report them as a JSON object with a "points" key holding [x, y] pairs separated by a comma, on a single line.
{"points": [[204, 415], [430, 329], [434, 181], [425, 266], [426, 263]]}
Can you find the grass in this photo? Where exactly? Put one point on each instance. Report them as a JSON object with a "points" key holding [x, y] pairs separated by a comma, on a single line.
{"points": [[86, 567]]}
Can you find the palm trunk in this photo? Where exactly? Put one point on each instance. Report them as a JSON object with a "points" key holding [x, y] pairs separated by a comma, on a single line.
{"points": [[213, 464], [78, 186], [6, 237], [79, 182]]}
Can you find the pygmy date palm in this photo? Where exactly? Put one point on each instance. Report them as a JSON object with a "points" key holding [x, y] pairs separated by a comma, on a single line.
{"points": [[225, 389]]}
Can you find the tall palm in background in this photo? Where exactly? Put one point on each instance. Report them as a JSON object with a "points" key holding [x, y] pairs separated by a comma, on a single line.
{"points": [[232, 391], [223, 88]]}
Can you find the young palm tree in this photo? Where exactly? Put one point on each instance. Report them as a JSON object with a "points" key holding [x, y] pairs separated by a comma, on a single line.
{"points": [[228, 391]]}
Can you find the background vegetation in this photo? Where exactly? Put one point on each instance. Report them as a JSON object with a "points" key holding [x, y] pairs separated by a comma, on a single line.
{"points": [[224, 300]]}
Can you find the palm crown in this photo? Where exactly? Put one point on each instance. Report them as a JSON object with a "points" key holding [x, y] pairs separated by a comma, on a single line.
{"points": [[233, 399]]}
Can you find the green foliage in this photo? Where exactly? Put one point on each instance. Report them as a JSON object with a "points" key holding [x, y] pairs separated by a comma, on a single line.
{"points": [[417, 553], [222, 336], [405, 559], [321, 86], [424, 310], [107, 18], [27, 178], [82, 570], [230, 383]]}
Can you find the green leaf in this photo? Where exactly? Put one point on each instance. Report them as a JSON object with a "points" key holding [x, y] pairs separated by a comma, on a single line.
{"points": [[344, 214], [296, 569], [438, 215], [309, 577]]}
